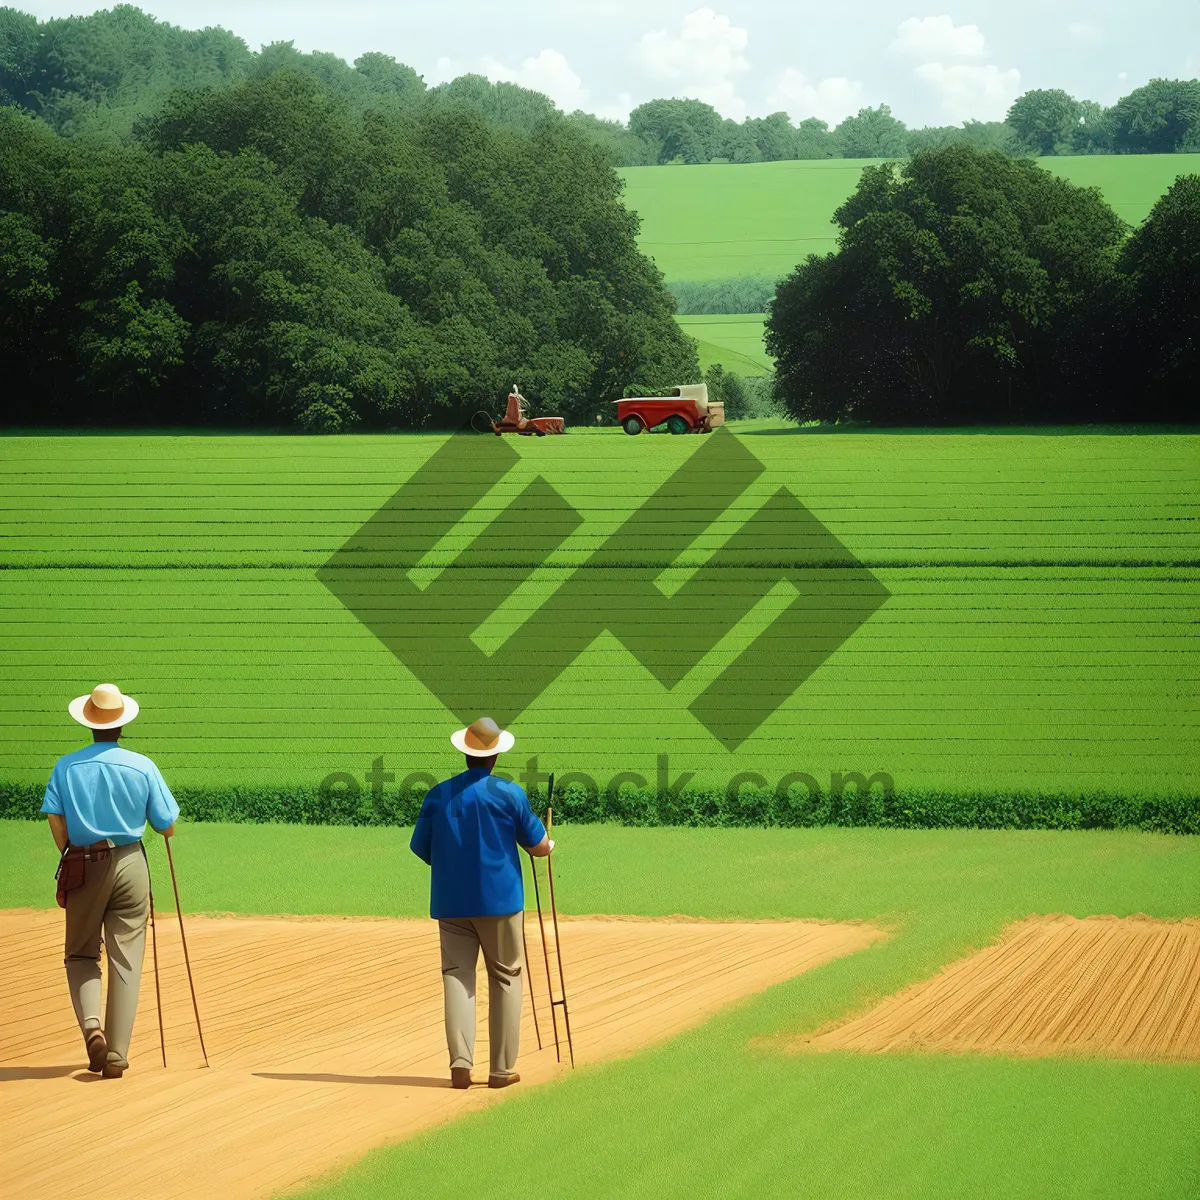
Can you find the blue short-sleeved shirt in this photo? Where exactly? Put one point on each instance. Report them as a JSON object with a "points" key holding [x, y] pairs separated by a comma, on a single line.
{"points": [[105, 791], [468, 831]]}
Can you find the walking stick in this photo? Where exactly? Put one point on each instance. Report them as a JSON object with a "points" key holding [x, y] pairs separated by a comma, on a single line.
{"points": [[562, 985], [532, 1002], [187, 961], [545, 952], [162, 1041]]}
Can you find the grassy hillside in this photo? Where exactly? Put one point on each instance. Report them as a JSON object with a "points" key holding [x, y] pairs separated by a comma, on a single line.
{"points": [[712, 221], [735, 341], [1040, 630]]}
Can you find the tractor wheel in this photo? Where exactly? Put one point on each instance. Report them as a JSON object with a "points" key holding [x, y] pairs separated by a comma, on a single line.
{"points": [[677, 424], [632, 425]]}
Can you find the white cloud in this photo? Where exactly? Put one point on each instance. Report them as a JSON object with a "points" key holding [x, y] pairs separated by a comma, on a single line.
{"points": [[830, 99], [936, 38], [549, 73], [703, 61], [967, 92]]}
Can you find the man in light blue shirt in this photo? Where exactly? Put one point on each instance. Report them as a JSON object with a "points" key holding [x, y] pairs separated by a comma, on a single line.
{"points": [[468, 832], [99, 800]]}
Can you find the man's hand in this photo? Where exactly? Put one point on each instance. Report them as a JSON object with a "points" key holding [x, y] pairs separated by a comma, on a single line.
{"points": [[169, 831], [541, 850]]}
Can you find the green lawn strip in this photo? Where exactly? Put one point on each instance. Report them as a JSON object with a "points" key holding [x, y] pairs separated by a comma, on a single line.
{"points": [[710, 1113]]}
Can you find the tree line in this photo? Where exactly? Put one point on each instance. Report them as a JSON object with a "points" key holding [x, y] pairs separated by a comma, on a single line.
{"points": [[295, 241], [972, 287], [106, 68], [1163, 117]]}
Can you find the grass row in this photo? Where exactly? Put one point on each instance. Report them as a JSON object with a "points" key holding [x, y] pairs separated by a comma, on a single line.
{"points": [[1040, 681]]}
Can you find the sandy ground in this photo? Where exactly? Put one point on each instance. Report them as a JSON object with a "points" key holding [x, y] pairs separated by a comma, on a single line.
{"points": [[1125, 988], [325, 1039]]}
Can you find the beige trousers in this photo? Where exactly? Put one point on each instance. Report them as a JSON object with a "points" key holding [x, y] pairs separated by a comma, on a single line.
{"points": [[115, 897], [503, 954]]}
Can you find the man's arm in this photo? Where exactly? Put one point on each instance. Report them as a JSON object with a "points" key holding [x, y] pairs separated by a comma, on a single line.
{"points": [[422, 839], [162, 810], [52, 806], [58, 827], [542, 849], [531, 833]]}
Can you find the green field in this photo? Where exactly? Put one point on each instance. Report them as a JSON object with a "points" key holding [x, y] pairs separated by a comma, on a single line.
{"points": [[1040, 633], [717, 220], [735, 341], [710, 1113]]}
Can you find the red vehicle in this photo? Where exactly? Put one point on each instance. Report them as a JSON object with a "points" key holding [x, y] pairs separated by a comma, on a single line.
{"points": [[686, 410], [516, 419]]}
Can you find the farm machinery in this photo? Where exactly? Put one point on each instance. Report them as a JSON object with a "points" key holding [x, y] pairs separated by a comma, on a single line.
{"points": [[516, 419], [686, 410]]}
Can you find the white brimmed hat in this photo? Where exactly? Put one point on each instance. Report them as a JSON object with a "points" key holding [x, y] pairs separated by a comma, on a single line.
{"points": [[104, 707], [482, 739]]}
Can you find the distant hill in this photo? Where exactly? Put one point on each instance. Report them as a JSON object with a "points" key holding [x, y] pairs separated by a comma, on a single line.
{"points": [[715, 221]]}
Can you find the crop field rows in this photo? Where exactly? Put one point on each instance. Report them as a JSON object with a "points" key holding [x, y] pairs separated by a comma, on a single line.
{"points": [[194, 586]]}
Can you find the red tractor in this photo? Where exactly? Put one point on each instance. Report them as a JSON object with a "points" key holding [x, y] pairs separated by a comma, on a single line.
{"points": [[686, 410], [516, 419]]}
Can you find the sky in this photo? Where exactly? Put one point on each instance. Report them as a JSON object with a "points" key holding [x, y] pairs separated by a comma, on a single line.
{"points": [[825, 58]]}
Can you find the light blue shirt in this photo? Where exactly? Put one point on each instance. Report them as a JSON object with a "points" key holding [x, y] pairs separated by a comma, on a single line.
{"points": [[105, 791]]}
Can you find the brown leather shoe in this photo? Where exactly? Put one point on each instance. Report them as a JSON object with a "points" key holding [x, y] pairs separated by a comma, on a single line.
{"points": [[114, 1068], [460, 1077], [97, 1050], [503, 1080]]}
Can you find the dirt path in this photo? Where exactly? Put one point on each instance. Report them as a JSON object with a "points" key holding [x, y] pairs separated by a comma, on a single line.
{"points": [[325, 1039], [1125, 988]]}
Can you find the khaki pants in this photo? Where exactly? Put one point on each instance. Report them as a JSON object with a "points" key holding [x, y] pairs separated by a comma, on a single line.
{"points": [[115, 896], [503, 954]]}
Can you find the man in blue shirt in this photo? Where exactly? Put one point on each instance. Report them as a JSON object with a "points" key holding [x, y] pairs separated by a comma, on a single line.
{"points": [[468, 831], [98, 801]]}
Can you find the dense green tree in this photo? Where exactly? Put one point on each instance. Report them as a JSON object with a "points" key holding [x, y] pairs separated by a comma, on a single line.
{"points": [[1093, 134], [1161, 118], [683, 129], [626, 149], [955, 277], [729, 389], [872, 133], [982, 135], [275, 250], [737, 294], [1045, 120], [1158, 355]]}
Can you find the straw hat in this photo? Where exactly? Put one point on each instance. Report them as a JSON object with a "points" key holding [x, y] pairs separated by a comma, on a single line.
{"points": [[482, 739], [103, 708]]}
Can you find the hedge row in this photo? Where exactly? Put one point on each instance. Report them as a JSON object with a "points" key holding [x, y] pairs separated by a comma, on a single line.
{"points": [[750, 806]]}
